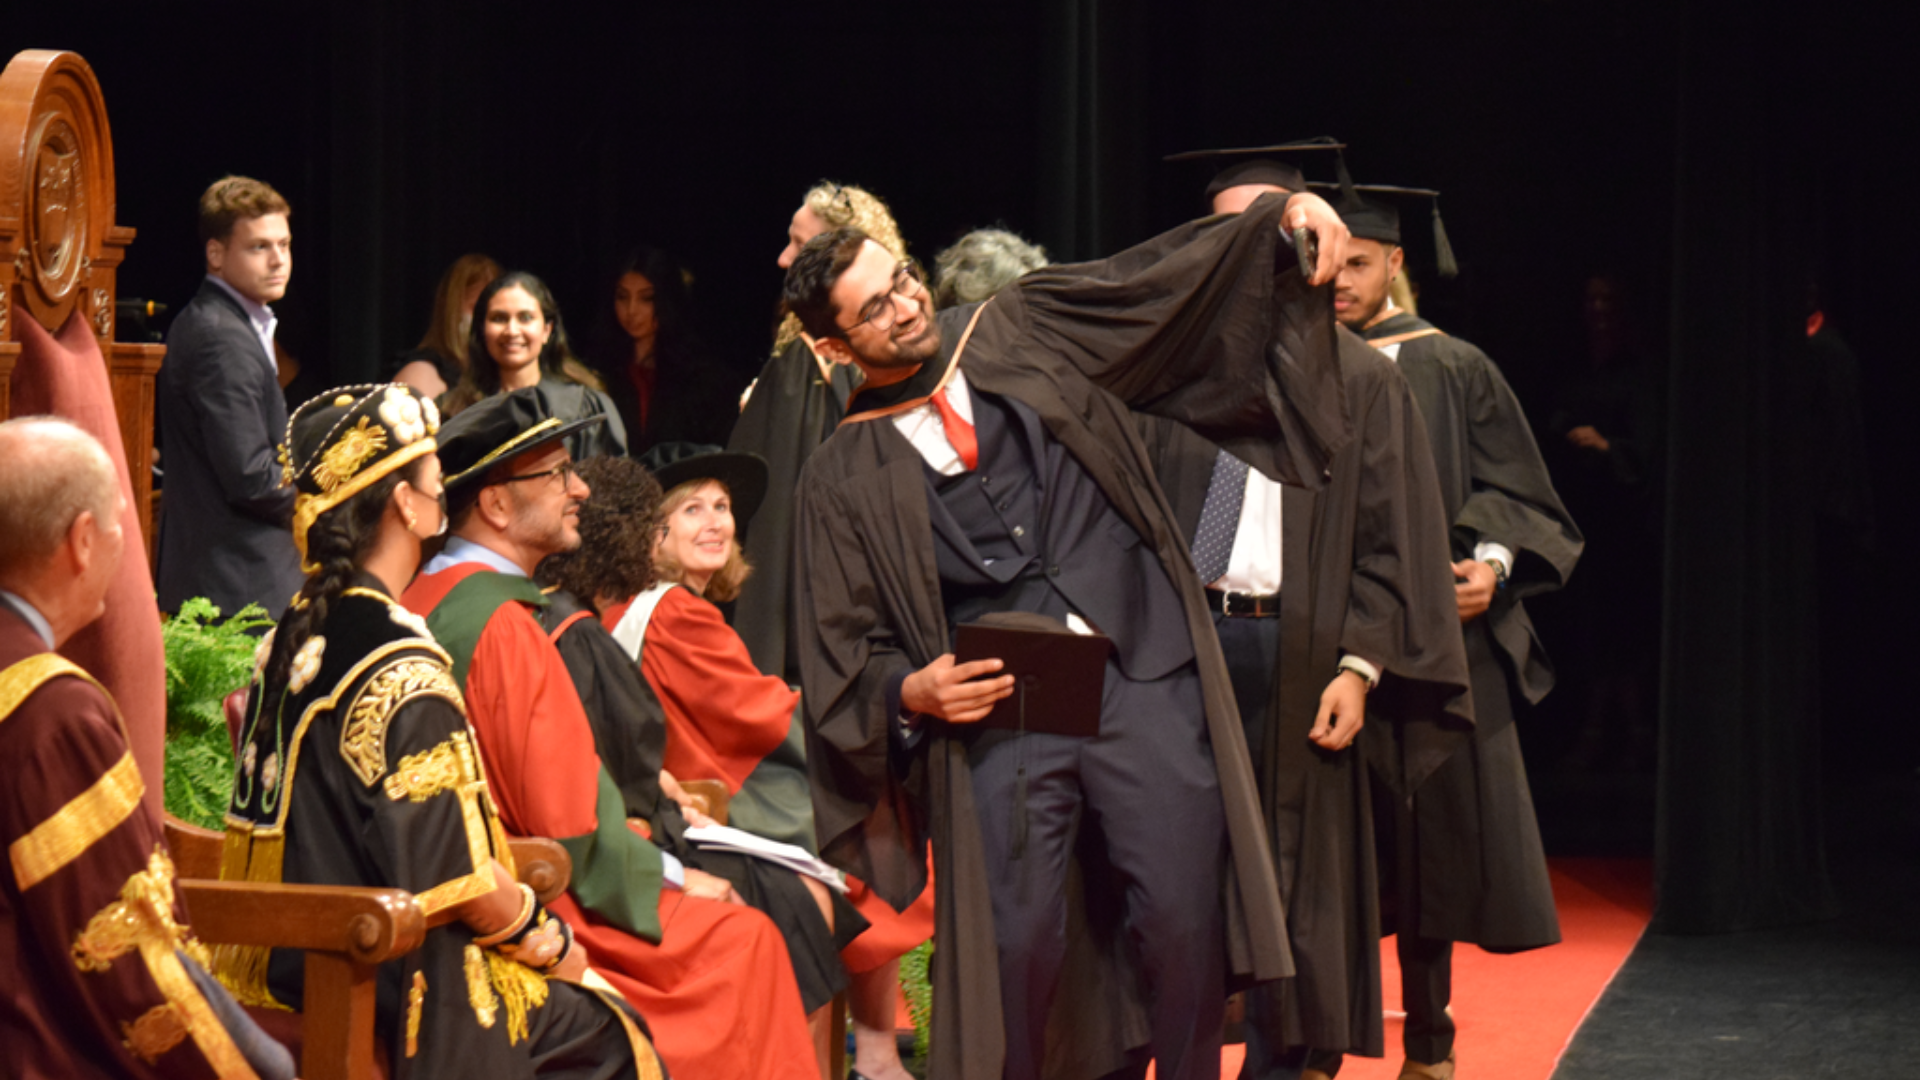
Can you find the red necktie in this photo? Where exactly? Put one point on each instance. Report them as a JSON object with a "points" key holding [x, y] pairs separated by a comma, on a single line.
{"points": [[959, 432]]}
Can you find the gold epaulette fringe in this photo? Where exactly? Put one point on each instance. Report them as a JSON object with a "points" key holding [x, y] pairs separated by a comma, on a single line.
{"points": [[246, 856], [521, 990]]}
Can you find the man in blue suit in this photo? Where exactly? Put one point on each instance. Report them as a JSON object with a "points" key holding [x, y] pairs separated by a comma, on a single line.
{"points": [[223, 529]]}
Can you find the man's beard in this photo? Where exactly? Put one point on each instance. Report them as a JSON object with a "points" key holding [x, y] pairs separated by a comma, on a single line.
{"points": [[913, 354]]}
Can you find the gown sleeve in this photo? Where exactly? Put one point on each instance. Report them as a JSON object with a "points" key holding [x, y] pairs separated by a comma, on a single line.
{"points": [[723, 715], [868, 792], [91, 887], [1400, 605], [428, 808], [546, 776], [1210, 325], [1512, 501]]}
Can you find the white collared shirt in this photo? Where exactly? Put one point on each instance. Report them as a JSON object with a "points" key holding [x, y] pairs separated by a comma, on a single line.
{"points": [[1254, 566], [260, 317], [461, 550], [923, 428], [30, 613]]}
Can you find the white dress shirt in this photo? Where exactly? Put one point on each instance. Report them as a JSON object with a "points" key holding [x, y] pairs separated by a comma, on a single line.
{"points": [[1254, 566], [923, 428]]}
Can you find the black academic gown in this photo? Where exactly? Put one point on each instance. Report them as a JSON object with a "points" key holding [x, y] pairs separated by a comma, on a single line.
{"points": [[630, 735], [794, 406], [1482, 872], [1364, 572], [1205, 325]]}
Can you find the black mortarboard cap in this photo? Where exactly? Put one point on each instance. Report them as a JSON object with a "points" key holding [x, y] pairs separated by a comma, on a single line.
{"points": [[1260, 164], [1372, 212]]}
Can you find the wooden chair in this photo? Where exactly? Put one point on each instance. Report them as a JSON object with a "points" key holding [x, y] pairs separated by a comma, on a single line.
{"points": [[347, 934], [711, 796]]}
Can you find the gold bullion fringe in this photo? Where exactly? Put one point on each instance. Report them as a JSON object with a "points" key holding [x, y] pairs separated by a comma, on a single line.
{"points": [[521, 988], [248, 856]]}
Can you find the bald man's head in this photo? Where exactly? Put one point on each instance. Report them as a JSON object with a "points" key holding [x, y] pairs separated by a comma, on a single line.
{"points": [[55, 471]]}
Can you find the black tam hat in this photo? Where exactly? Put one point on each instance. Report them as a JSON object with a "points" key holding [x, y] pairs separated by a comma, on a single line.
{"points": [[496, 429], [745, 475], [1260, 164], [1372, 212]]}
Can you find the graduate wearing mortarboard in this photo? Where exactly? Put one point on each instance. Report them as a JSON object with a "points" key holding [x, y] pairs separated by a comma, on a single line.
{"points": [[1462, 860]]}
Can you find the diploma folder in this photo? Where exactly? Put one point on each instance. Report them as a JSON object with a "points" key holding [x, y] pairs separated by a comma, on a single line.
{"points": [[1058, 675]]}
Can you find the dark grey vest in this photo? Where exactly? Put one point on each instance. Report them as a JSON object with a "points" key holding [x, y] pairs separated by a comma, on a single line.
{"points": [[1029, 530]]}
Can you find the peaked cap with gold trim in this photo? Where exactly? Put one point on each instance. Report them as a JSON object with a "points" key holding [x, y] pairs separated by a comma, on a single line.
{"points": [[343, 441]]}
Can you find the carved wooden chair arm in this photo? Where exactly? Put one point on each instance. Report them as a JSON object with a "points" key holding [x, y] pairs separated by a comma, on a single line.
{"points": [[368, 926], [712, 797], [542, 864]]}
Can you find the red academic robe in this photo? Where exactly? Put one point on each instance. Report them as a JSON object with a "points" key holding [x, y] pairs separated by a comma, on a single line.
{"points": [[717, 988], [723, 717]]}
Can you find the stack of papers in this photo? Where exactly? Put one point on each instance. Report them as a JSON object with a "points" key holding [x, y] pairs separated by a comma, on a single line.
{"points": [[726, 838]]}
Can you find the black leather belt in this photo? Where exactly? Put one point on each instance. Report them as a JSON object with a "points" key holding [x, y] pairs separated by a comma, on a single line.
{"points": [[1239, 605]]}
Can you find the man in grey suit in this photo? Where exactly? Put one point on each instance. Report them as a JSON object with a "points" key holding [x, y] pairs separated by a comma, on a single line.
{"points": [[223, 528]]}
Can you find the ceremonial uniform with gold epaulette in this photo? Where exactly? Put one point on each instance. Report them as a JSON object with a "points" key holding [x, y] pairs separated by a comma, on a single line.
{"points": [[358, 768], [98, 973]]}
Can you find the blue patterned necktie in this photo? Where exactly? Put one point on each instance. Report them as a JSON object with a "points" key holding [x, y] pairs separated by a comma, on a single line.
{"points": [[1220, 518]]}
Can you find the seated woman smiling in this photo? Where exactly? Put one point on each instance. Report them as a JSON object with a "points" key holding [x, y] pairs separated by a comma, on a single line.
{"points": [[709, 716]]}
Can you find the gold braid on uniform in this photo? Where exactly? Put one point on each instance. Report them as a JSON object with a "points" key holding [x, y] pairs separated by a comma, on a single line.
{"points": [[416, 1001], [363, 738], [142, 921]]}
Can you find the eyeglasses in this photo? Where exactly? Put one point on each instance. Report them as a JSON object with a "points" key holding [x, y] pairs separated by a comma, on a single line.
{"points": [[881, 311], [565, 471]]}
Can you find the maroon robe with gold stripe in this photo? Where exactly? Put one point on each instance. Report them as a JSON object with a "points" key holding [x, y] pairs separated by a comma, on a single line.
{"points": [[95, 978]]}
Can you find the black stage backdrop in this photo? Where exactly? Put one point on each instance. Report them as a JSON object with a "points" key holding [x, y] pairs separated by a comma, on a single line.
{"points": [[1706, 153]]}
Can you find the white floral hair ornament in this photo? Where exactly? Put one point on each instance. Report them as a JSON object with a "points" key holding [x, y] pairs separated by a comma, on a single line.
{"points": [[403, 416], [306, 664]]}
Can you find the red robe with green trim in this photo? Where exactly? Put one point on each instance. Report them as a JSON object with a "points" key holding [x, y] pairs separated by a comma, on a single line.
{"points": [[713, 979]]}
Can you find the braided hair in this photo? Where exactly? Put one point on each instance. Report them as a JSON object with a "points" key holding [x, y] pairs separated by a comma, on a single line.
{"points": [[338, 542]]}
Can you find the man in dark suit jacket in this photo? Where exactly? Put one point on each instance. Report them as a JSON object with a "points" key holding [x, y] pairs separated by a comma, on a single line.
{"points": [[223, 530]]}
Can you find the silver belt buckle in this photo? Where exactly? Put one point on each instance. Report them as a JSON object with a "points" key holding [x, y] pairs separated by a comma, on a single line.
{"points": [[1226, 602]]}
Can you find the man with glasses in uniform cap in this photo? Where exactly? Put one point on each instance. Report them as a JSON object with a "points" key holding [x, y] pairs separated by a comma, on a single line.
{"points": [[1462, 859], [989, 467], [712, 977], [1334, 609]]}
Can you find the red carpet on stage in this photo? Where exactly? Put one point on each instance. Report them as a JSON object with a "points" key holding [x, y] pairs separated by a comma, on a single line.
{"points": [[1517, 1013]]}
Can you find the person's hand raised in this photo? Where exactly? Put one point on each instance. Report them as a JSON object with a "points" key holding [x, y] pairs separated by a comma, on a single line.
{"points": [[1305, 210]]}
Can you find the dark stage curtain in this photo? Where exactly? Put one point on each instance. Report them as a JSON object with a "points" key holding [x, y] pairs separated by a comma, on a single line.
{"points": [[1092, 139], [1740, 842]]}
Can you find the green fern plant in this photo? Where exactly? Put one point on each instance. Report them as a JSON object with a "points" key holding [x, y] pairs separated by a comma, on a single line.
{"points": [[916, 983], [207, 659]]}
